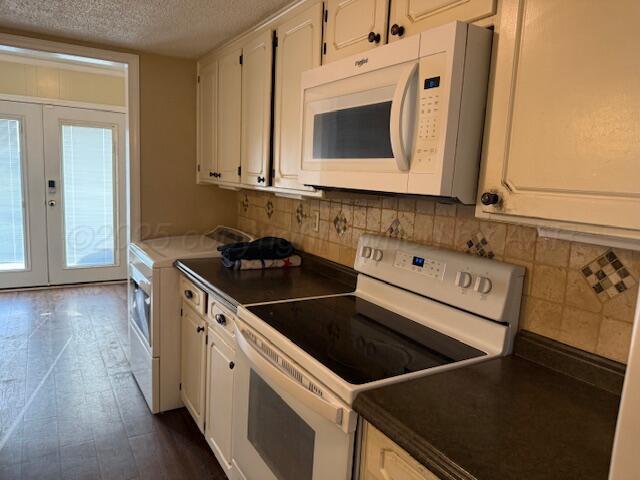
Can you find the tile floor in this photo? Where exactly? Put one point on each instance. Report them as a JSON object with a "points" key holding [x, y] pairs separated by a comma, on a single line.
{"points": [[69, 407]]}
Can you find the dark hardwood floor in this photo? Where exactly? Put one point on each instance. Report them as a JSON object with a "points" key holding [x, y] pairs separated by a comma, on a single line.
{"points": [[69, 407]]}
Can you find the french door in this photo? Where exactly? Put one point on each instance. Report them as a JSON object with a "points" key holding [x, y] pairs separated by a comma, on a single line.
{"points": [[63, 215]]}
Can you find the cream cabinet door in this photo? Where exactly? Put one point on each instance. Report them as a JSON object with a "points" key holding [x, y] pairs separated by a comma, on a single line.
{"points": [[408, 17], [207, 120], [384, 460], [299, 43], [564, 128], [349, 23], [257, 57], [229, 115], [193, 363], [219, 397]]}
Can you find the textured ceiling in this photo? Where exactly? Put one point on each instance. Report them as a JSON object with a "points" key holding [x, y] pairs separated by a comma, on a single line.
{"points": [[183, 28]]}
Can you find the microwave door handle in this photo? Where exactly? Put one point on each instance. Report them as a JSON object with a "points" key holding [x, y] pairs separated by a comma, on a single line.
{"points": [[397, 110], [273, 375]]}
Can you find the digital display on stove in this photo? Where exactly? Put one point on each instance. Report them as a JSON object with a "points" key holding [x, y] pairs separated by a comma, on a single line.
{"points": [[433, 82], [418, 261]]}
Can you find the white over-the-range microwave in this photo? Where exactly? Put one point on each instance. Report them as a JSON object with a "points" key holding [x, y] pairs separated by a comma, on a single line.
{"points": [[407, 117]]}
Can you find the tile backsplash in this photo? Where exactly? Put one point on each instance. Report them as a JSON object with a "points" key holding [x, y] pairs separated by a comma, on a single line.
{"points": [[582, 295]]}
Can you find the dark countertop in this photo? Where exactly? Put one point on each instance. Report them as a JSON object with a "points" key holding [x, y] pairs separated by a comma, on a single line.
{"points": [[507, 418], [315, 277]]}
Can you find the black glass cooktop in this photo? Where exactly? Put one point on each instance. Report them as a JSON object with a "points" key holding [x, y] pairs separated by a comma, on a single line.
{"points": [[360, 341]]}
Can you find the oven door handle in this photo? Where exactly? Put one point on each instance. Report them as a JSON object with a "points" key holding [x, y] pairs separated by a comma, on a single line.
{"points": [[274, 376], [396, 118]]}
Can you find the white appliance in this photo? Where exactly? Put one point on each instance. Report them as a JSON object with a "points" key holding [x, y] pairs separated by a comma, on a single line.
{"points": [[154, 310], [405, 118], [417, 310]]}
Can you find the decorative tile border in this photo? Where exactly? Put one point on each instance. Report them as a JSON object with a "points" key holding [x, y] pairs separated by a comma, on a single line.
{"points": [[395, 229], [478, 245], [300, 215], [607, 276], [269, 208], [340, 223]]}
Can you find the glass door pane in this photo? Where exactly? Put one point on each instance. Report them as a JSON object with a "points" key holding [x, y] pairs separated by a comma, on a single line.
{"points": [[12, 214], [88, 196]]}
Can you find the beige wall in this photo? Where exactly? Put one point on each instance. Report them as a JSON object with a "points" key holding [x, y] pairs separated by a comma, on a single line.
{"points": [[171, 202], [53, 82], [559, 302]]}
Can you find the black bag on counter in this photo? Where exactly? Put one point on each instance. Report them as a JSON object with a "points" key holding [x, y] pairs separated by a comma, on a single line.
{"points": [[265, 248]]}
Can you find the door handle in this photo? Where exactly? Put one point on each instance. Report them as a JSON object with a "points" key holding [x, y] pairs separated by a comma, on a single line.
{"points": [[200, 329], [261, 179], [51, 203], [396, 127], [373, 37], [221, 319], [188, 294], [397, 30]]}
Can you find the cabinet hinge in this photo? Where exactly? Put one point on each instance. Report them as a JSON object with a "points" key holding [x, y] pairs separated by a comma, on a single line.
{"points": [[324, 48], [198, 78], [326, 15], [206, 339], [180, 387], [239, 171], [180, 312], [273, 173], [240, 59], [275, 39], [198, 167]]}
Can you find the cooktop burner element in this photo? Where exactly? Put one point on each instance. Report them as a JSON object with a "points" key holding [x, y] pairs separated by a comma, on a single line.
{"points": [[359, 341]]}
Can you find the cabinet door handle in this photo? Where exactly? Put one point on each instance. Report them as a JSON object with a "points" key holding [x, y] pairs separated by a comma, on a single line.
{"points": [[200, 329], [231, 365], [261, 179], [212, 174], [188, 294], [221, 319], [373, 37], [397, 30]]}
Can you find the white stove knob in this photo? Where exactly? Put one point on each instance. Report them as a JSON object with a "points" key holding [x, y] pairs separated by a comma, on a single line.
{"points": [[366, 252], [377, 255], [483, 285], [463, 279]]}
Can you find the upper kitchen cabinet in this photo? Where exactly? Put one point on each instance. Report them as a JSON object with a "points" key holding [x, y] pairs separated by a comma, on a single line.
{"points": [[228, 120], [219, 110], [299, 44], [207, 106], [563, 131], [257, 55], [407, 17], [353, 26]]}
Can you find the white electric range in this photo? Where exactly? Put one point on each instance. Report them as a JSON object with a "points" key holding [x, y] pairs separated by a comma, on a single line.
{"points": [[154, 310], [416, 311]]}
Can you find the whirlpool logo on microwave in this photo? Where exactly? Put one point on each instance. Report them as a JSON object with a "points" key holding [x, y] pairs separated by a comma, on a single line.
{"points": [[361, 62]]}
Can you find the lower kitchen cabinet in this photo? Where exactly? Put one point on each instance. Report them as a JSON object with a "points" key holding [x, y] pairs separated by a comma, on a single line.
{"points": [[382, 459], [219, 401], [193, 358]]}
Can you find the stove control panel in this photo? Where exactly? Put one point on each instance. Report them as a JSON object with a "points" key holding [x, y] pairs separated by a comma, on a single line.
{"points": [[476, 284], [425, 266]]}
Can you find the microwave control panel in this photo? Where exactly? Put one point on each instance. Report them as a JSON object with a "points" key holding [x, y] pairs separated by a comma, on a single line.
{"points": [[432, 88]]}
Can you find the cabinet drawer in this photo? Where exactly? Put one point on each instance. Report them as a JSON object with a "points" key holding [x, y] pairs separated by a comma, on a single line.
{"points": [[192, 295], [222, 320], [385, 460]]}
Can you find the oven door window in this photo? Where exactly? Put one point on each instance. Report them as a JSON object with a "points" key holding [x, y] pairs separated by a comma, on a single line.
{"points": [[353, 133], [141, 310], [281, 437]]}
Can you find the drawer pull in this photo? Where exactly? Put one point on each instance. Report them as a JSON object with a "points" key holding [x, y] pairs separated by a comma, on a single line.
{"points": [[221, 319], [200, 329], [188, 294], [231, 365]]}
